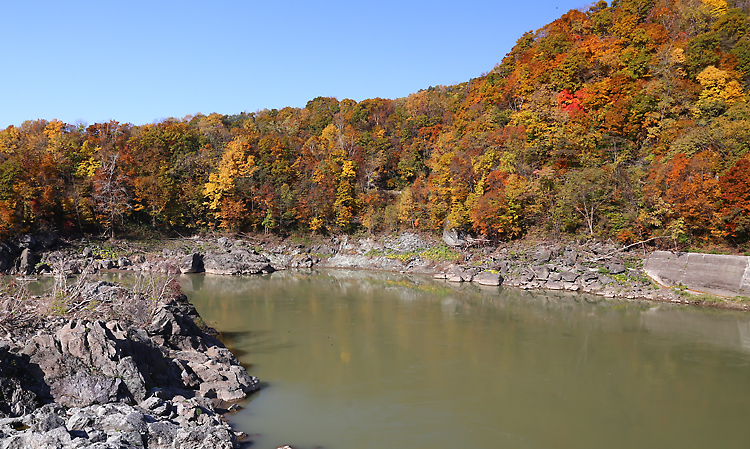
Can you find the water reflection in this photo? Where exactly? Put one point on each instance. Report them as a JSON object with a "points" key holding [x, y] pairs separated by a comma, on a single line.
{"points": [[363, 359]]}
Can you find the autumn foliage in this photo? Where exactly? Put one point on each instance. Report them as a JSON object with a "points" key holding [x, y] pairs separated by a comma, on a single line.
{"points": [[626, 121]]}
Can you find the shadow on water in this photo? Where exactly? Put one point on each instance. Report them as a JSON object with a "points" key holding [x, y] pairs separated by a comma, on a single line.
{"points": [[249, 342]]}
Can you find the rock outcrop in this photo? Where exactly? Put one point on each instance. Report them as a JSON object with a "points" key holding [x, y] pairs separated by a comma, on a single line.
{"points": [[91, 373], [236, 261]]}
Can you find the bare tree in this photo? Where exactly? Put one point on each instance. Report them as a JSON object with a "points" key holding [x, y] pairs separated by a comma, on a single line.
{"points": [[111, 198]]}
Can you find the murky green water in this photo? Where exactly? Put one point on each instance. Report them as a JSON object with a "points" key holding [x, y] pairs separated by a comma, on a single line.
{"points": [[356, 359]]}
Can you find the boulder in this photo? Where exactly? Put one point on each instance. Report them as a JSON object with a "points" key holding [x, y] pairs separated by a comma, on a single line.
{"points": [[453, 237], [543, 255], [26, 265], [236, 262], [570, 256], [192, 263], [457, 273], [27, 241], [83, 389], [488, 278], [615, 266], [569, 276], [541, 272]]}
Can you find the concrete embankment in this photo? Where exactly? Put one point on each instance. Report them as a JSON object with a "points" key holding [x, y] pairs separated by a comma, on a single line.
{"points": [[713, 274]]}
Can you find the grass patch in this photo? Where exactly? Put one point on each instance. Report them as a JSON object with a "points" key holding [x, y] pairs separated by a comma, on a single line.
{"points": [[439, 253]]}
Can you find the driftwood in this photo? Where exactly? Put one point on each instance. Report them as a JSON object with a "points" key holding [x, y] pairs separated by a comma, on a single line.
{"points": [[625, 248]]}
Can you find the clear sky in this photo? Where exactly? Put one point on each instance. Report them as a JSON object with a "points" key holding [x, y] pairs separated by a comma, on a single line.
{"points": [[143, 61]]}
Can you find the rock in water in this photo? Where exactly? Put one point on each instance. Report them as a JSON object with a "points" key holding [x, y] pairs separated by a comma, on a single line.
{"points": [[488, 278]]}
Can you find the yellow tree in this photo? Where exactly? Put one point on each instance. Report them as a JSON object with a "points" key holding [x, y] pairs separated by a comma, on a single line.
{"points": [[719, 90], [221, 192], [344, 205]]}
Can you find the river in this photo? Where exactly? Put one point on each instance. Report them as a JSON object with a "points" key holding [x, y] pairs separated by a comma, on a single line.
{"points": [[355, 359]]}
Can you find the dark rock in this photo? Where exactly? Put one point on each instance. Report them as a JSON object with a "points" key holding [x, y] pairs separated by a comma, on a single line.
{"points": [[71, 267], [303, 261], [42, 268], [26, 241], [322, 250], [192, 263], [589, 276], [47, 418], [8, 254], [48, 240]]}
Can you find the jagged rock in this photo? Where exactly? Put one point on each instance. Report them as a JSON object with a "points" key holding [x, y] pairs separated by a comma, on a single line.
{"points": [[488, 278], [82, 389], [322, 250]]}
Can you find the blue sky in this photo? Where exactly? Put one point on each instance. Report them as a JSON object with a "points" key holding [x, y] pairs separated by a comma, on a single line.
{"points": [[140, 62]]}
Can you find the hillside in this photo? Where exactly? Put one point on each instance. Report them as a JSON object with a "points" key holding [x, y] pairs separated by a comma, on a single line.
{"points": [[624, 121]]}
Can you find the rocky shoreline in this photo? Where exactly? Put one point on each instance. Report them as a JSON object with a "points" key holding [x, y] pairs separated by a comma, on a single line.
{"points": [[152, 380], [107, 367], [599, 268]]}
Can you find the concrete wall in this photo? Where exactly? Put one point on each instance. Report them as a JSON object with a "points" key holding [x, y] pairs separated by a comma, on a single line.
{"points": [[706, 273]]}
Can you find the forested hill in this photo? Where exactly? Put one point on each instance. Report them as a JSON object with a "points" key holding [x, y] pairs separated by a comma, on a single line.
{"points": [[625, 121]]}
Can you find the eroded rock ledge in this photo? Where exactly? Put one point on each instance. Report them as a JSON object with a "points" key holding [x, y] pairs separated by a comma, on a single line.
{"points": [[156, 383]]}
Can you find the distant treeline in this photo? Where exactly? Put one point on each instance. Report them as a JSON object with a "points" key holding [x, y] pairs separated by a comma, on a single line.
{"points": [[626, 121]]}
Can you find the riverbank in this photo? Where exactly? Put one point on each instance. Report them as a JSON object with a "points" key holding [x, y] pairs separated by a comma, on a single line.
{"points": [[95, 365], [599, 268]]}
